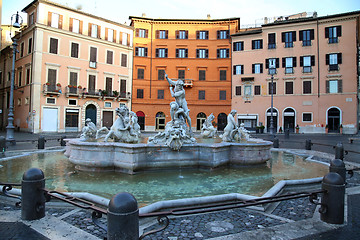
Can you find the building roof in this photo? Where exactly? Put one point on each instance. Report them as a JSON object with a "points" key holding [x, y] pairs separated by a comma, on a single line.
{"points": [[248, 32]]}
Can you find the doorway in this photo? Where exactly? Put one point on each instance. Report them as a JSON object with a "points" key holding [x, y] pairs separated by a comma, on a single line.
{"points": [[108, 119], [90, 112], [141, 119], [200, 119], [222, 121], [275, 120], [289, 119], [334, 120], [160, 121]]}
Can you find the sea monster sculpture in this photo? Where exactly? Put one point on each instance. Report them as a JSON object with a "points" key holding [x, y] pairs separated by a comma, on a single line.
{"points": [[208, 130]]}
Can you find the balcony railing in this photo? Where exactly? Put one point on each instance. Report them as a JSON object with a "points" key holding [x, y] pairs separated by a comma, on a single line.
{"points": [[51, 89]]}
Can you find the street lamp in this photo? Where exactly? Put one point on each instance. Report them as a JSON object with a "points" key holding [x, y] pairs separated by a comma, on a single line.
{"points": [[10, 127], [272, 71]]}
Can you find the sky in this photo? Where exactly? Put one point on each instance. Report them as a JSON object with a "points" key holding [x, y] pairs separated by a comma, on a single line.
{"points": [[250, 12]]}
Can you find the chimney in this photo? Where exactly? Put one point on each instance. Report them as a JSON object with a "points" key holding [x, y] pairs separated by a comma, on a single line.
{"points": [[209, 16], [143, 15], [265, 20]]}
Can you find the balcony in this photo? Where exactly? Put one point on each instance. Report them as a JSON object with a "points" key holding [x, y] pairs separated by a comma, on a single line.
{"points": [[73, 91], [51, 89], [188, 82], [104, 95]]}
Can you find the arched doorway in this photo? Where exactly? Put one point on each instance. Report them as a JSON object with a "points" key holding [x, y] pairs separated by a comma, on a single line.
{"points": [[222, 121], [160, 121], [289, 119], [90, 112], [333, 119], [141, 119], [275, 119], [200, 119]]}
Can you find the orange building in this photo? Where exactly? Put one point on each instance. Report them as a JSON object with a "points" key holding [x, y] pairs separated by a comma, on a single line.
{"points": [[198, 51], [314, 64]]}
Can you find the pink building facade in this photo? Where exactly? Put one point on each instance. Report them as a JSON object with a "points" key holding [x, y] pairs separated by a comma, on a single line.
{"points": [[314, 63]]}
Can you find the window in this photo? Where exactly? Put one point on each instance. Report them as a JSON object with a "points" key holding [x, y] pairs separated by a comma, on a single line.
{"points": [[333, 60], [307, 62], [161, 74], [181, 34], [91, 84], [141, 51], [72, 102], [142, 33], [94, 30], [202, 75], [222, 95], [238, 46], [306, 36], [161, 34], [55, 20], [20, 77], [222, 75], [306, 87], [109, 57], [124, 39], [288, 38], [202, 53], [334, 86], [140, 93], [307, 117], [50, 100], [238, 90], [160, 94], [271, 41], [223, 34], [93, 57], [107, 104], [161, 52], [140, 74], [123, 88], [124, 60], [202, 34], [332, 33], [223, 53], [108, 86], [22, 49], [28, 75], [247, 91], [201, 94], [74, 50], [257, 90], [75, 25], [109, 35], [30, 45], [51, 79], [238, 69], [257, 68], [73, 82], [257, 44], [289, 63], [272, 88], [181, 74], [289, 87], [53, 46], [181, 53], [272, 64], [31, 19]]}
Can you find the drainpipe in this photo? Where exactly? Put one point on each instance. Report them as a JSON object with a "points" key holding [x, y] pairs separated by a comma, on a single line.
{"points": [[318, 54], [32, 81], [358, 74], [151, 48]]}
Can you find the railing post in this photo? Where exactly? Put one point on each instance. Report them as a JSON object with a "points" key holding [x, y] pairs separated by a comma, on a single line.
{"points": [[338, 166], [2, 145], [41, 142], [332, 201], [123, 217], [276, 143], [62, 142], [339, 151], [32, 195], [308, 145], [287, 133]]}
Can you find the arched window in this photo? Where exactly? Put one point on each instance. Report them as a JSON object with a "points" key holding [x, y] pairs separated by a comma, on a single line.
{"points": [[333, 119], [289, 119], [90, 112], [160, 121], [200, 119], [221, 121]]}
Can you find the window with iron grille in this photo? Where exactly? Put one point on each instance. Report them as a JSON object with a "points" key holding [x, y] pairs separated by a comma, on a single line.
{"points": [[306, 87], [140, 93], [333, 60], [238, 90], [201, 94], [289, 63], [53, 45], [222, 94], [140, 74], [222, 75]]}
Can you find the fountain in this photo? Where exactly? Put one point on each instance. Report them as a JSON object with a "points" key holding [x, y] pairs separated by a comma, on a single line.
{"points": [[173, 148]]}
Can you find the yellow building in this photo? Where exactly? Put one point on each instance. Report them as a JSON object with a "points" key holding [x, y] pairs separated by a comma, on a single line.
{"points": [[71, 66]]}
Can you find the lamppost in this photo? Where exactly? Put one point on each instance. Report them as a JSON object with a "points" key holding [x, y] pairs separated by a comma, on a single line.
{"points": [[272, 72], [10, 127]]}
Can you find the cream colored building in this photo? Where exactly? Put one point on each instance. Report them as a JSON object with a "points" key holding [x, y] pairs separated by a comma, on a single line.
{"points": [[314, 61], [71, 66]]}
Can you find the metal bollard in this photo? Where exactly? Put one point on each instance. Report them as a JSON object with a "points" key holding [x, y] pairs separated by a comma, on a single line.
{"points": [[276, 143], [62, 142], [338, 166], [287, 133], [308, 145], [41, 142], [2, 144], [339, 151], [32, 196], [123, 217], [332, 201]]}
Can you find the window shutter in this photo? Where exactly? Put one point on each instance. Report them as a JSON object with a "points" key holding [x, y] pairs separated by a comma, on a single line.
{"points": [[234, 69], [114, 36], [166, 34], [157, 34], [136, 51], [282, 37], [277, 63], [283, 62], [267, 63], [197, 34], [81, 27], [186, 34], [60, 21], [146, 52], [338, 31], [301, 61], [177, 34], [106, 33], [89, 29], [339, 57], [49, 18], [326, 32], [327, 87], [252, 44], [186, 53], [98, 31], [207, 35], [241, 46], [294, 61], [227, 34], [294, 36], [312, 60], [242, 69], [71, 24], [206, 53], [301, 35], [146, 33], [157, 52], [218, 53], [197, 53], [261, 68], [339, 86], [253, 68], [327, 59], [218, 34], [227, 53], [311, 34], [166, 52], [261, 43], [137, 32], [128, 39], [177, 52]]}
